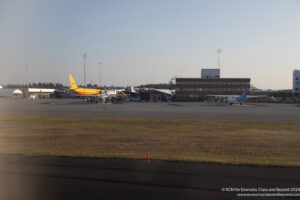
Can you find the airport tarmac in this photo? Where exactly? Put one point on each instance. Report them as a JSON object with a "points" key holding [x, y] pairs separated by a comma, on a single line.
{"points": [[49, 177], [46, 177], [166, 110]]}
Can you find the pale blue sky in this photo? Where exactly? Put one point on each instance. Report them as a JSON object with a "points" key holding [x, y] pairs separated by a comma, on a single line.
{"points": [[149, 41]]}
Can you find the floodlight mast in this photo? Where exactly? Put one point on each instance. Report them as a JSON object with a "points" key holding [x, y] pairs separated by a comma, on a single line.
{"points": [[100, 74], [26, 74], [84, 62], [219, 51]]}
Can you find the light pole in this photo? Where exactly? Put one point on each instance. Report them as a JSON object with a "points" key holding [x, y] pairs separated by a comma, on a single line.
{"points": [[84, 60], [219, 52], [100, 74], [26, 74]]}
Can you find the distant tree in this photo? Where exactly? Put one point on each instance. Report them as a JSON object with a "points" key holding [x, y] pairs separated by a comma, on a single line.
{"points": [[59, 86], [36, 85], [159, 85]]}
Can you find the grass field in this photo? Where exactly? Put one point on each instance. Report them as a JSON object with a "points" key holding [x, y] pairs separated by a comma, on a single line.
{"points": [[179, 140]]}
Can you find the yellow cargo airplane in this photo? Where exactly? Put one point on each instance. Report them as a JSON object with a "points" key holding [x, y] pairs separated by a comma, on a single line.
{"points": [[86, 93]]}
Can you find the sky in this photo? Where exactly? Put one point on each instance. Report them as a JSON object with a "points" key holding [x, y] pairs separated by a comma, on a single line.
{"points": [[140, 42]]}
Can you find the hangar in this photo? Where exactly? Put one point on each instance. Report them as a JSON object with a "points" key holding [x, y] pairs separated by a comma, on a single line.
{"points": [[17, 93], [155, 95], [5, 92], [35, 93]]}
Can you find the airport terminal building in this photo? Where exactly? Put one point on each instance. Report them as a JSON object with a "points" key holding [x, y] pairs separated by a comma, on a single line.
{"points": [[198, 89], [296, 82]]}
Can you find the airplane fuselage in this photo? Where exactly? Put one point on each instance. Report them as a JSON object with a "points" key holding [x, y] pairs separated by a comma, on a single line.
{"points": [[236, 99], [86, 91]]}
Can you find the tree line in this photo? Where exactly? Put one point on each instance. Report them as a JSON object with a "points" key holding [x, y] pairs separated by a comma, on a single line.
{"points": [[61, 86], [159, 86], [36, 85]]}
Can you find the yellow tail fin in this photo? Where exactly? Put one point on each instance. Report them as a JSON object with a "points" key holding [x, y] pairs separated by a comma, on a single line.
{"points": [[72, 82]]}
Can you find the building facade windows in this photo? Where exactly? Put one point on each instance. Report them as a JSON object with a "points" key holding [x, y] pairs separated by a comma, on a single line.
{"points": [[197, 88]]}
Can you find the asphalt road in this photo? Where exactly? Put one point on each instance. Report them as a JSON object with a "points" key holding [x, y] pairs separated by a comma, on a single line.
{"points": [[41, 177], [170, 110]]}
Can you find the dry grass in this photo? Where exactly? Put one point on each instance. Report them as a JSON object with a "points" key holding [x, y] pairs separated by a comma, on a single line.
{"points": [[185, 140]]}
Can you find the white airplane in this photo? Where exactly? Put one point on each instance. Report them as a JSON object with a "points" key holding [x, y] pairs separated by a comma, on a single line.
{"points": [[231, 99]]}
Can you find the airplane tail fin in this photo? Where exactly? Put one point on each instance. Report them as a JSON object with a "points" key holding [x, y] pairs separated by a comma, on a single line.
{"points": [[245, 91], [72, 82]]}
